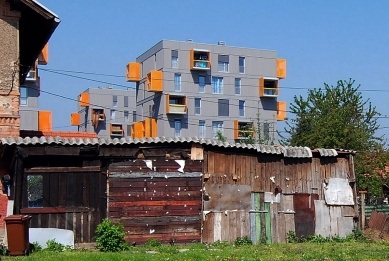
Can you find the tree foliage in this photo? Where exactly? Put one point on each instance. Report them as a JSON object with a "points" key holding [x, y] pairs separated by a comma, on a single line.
{"points": [[339, 117], [263, 130]]}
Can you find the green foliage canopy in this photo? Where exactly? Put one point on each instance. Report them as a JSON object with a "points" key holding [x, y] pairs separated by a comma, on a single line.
{"points": [[339, 117]]}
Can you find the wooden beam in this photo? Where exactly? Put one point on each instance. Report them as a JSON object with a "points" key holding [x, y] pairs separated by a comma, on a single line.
{"points": [[62, 169], [54, 210]]}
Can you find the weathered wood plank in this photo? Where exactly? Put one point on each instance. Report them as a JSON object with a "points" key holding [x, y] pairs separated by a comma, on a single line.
{"points": [[335, 213], [345, 226], [62, 169], [322, 214]]}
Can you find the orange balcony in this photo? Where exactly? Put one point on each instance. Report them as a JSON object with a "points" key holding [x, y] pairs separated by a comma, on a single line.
{"points": [[97, 115], [200, 59], [133, 72], [75, 119], [281, 68], [243, 130], [116, 130], [83, 99], [268, 87], [154, 81], [176, 104], [281, 111], [44, 121], [43, 57], [146, 128]]}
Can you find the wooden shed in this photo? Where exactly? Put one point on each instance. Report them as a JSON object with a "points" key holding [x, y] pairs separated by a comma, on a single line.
{"points": [[181, 189]]}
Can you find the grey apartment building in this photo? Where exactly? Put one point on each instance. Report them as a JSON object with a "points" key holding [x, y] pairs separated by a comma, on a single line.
{"points": [[106, 111], [192, 89]]}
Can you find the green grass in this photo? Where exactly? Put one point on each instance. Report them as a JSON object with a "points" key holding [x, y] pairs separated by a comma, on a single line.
{"points": [[294, 251]]}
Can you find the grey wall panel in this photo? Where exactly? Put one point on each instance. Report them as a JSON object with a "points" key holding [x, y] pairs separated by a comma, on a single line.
{"points": [[28, 120]]}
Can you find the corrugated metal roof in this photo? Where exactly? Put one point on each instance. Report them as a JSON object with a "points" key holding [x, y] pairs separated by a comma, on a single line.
{"points": [[292, 152]]}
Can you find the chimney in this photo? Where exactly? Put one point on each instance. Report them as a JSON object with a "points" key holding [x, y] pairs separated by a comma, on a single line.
{"points": [[221, 43], [189, 40]]}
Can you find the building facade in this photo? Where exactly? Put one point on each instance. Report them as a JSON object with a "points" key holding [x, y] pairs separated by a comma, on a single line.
{"points": [[190, 89], [105, 111]]}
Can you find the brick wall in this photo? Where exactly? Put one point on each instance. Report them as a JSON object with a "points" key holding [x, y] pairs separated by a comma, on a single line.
{"points": [[9, 71]]}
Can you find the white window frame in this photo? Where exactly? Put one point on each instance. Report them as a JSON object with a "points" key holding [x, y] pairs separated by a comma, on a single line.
{"points": [[217, 85], [197, 106], [242, 111], [202, 87], [177, 82], [175, 62], [242, 68], [177, 127], [216, 126], [238, 86], [23, 96], [223, 66], [202, 129]]}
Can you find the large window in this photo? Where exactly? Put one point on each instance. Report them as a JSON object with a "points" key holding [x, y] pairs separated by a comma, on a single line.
{"points": [[174, 59], [241, 108], [23, 95], [126, 116], [197, 106], [217, 126], [223, 63], [35, 191], [201, 83], [237, 86], [177, 82], [201, 129], [177, 128], [113, 112], [223, 107], [217, 85], [241, 65]]}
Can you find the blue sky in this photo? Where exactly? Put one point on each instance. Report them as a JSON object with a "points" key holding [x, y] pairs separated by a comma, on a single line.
{"points": [[322, 41]]}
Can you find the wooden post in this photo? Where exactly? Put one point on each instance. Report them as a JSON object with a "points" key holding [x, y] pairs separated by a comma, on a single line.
{"points": [[363, 216]]}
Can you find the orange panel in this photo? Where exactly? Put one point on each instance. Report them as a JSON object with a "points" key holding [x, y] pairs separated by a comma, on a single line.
{"points": [[44, 121], [153, 128], [147, 128], [154, 81], [167, 103], [75, 119], [83, 99], [191, 59], [43, 57], [281, 68], [261, 87], [138, 129], [133, 72], [236, 127], [281, 111]]}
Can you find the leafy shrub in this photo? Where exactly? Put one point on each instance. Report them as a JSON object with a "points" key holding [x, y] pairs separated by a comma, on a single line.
{"points": [[35, 247], [244, 241], [220, 244], [152, 243], [110, 237], [54, 246], [291, 237]]}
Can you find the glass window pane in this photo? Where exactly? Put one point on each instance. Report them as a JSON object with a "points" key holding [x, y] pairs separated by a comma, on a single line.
{"points": [[201, 83], [35, 191], [177, 82], [202, 129], [241, 64], [237, 86], [177, 128]]}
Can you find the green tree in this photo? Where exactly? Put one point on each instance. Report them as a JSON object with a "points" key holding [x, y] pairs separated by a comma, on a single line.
{"points": [[219, 136], [339, 117]]}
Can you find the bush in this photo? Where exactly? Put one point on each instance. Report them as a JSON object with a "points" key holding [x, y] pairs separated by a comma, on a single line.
{"points": [[244, 241], [52, 245], [110, 237], [152, 243]]}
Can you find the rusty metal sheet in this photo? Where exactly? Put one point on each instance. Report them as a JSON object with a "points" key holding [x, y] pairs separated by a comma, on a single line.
{"points": [[304, 218], [338, 192], [222, 197], [377, 220]]}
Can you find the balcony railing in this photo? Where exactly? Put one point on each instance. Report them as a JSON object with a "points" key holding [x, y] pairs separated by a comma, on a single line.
{"points": [[177, 108]]}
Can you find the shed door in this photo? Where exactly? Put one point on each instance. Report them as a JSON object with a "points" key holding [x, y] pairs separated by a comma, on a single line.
{"points": [[156, 205]]}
